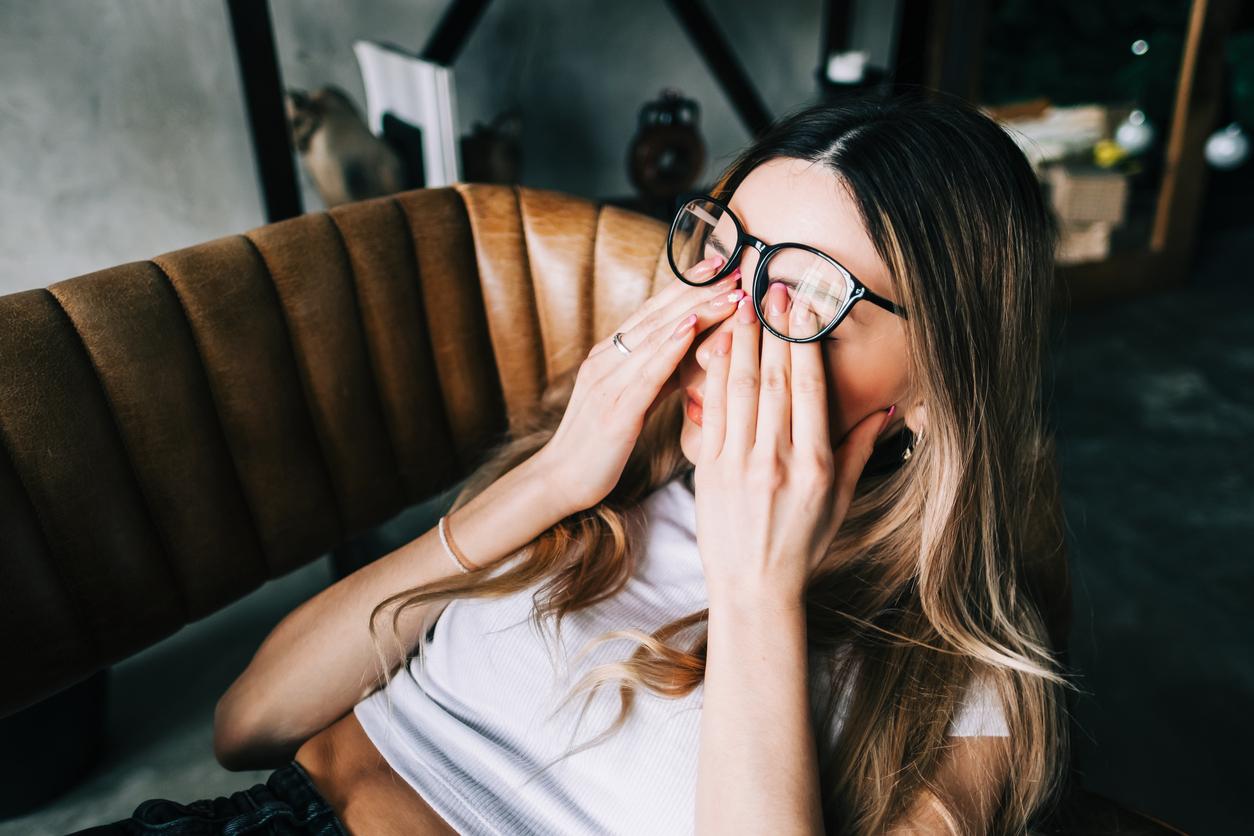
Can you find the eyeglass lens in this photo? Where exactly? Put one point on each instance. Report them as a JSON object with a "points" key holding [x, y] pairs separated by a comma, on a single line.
{"points": [[817, 289]]}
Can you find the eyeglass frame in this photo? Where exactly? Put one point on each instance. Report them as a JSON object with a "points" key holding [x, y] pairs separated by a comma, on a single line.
{"points": [[765, 252]]}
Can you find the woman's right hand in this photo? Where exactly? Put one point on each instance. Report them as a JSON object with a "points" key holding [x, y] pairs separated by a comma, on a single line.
{"points": [[613, 393]]}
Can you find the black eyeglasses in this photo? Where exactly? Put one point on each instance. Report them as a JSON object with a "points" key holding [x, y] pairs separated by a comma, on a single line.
{"points": [[821, 290]]}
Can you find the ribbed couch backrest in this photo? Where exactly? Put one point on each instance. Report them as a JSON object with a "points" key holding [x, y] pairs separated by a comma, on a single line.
{"points": [[175, 432]]}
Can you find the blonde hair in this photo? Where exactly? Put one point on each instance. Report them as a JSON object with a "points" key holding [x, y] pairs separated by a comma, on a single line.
{"points": [[936, 569]]}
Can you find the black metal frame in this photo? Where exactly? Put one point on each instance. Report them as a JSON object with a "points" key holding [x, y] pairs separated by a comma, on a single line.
{"points": [[253, 34], [451, 33], [765, 253], [715, 50]]}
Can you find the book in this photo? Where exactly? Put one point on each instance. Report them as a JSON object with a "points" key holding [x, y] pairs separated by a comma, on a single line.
{"points": [[411, 103]]}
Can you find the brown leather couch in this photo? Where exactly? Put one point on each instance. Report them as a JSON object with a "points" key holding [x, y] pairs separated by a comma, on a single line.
{"points": [[177, 431]]}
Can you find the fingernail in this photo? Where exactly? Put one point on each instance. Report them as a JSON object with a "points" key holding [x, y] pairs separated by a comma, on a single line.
{"points": [[888, 416], [778, 295], [708, 267], [732, 297], [683, 326], [744, 311]]}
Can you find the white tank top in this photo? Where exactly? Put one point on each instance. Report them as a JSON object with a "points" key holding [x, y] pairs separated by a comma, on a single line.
{"points": [[476, 724]]}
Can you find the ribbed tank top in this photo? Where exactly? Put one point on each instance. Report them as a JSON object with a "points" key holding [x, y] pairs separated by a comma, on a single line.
{"points": [[478, 717]]}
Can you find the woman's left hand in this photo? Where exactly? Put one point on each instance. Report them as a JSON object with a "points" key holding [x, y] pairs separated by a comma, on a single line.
{"points": [[771, 492]]}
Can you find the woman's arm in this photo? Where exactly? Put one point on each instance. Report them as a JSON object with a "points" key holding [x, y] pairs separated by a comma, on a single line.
{"points": [[320, 661], [758, 763]]}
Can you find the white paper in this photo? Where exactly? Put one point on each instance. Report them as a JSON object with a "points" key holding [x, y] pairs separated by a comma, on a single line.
{"points": [[419, 92]]}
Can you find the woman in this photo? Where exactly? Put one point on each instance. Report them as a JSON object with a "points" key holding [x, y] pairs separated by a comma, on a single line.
{"points": [[810, 509]]}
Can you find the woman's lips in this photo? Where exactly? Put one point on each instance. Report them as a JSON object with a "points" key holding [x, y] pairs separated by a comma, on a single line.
{"points": [[692, 406]]}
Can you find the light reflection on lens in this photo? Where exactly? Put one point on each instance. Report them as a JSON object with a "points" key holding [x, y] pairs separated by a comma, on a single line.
{"points": [[702, 229], [817, 289]]}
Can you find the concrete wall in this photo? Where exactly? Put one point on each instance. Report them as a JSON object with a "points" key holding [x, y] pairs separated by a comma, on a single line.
{"points": [[122, 135], [123, 132]]}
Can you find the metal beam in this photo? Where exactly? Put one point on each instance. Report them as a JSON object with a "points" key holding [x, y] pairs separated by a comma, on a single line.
{"points": [[253, 34], [714, 49], [452, 31]]}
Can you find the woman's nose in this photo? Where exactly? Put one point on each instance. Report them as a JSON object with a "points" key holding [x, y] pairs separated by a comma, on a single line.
{"points": [[748, 265]]}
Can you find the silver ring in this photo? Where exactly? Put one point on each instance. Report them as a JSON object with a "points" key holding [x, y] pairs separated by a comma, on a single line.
{"points": [[618, 343]]}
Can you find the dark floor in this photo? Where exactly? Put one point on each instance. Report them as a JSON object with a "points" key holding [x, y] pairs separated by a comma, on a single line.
{"points": [[1154, 409]]}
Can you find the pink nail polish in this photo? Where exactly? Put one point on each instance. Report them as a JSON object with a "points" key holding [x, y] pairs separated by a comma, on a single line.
{"points": [[744, 311], [777, 295], [888, 416], [683, 326], [710, 266]]}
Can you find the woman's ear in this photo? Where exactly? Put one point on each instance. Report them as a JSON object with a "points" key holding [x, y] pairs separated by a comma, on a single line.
{"points": [[916, 419], [894, 446]]}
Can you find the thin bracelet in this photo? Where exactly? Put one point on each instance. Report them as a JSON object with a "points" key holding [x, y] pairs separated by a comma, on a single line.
{"points": [[455, 553]]}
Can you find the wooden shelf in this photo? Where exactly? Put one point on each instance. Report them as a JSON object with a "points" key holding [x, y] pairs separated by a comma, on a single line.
{"points": [[953, 64]]}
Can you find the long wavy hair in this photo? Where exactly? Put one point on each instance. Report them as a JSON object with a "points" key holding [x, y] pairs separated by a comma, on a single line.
{"points": [[942, 568]]}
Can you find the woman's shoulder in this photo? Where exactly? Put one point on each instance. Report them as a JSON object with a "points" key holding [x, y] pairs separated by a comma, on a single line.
{"points": [[980, 712], [674, 501], [670, 556]]}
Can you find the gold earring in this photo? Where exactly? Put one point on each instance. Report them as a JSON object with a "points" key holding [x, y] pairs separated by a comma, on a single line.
{"points": [[914, 439]]}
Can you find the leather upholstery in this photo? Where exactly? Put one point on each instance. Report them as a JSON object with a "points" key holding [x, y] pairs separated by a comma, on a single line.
{"points": [[174, 432]]}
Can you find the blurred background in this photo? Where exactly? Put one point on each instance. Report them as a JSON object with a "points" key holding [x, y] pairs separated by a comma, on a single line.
{"points": [[130, 128]]}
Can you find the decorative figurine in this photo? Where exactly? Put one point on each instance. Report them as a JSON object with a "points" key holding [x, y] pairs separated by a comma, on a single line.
{"points": [[667, 152]]}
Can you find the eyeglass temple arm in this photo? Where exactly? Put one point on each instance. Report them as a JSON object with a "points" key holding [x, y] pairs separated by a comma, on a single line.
{"points": [[891, 307]]}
